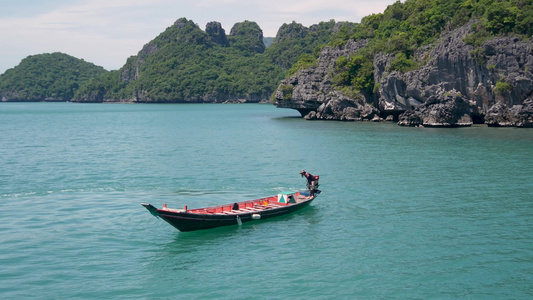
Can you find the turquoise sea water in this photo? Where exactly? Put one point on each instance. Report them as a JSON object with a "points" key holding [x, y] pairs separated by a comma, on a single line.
{"points": [[405, 213]]}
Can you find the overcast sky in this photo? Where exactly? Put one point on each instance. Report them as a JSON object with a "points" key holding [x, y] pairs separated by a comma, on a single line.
{"points": [[107, 32]]}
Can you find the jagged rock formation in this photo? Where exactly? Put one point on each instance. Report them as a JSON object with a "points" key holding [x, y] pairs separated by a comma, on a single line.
{"points": [[456, 85], [500, 115], [453, 65], [217, 34], [313, 95], [442, 110]]}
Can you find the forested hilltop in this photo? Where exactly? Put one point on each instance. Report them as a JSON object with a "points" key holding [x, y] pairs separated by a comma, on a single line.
{"points": [[187, 64], [47, 77], [439, 63]]}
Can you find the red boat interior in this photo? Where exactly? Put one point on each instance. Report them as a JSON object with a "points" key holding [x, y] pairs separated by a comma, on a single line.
{"points": [[246, 206]]}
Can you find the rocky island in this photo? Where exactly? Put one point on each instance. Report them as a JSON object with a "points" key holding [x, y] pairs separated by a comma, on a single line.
{"points": [[466, 75]]}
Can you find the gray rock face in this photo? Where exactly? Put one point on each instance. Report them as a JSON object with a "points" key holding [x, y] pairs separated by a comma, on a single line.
{"points": [[456, 85], [445, 110], [217, 34], [339, 107], [453, 65], [500, 115], [311, 91]]}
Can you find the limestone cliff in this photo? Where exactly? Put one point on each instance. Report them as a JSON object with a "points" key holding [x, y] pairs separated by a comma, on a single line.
{"points": [[455, 84], [311, 91]]}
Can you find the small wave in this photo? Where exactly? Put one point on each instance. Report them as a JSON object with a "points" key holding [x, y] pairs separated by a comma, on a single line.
{"points": [[18, 195]]}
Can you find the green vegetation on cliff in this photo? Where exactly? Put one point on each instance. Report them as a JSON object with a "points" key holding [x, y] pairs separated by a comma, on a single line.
{"points": [[247, 37], [294, 40], [354, 75], [186, 64], [46, 77], [404, 27]]}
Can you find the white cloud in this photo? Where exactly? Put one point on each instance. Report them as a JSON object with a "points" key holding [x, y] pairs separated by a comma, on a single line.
{"points": [[102, 32], [107, 32]]}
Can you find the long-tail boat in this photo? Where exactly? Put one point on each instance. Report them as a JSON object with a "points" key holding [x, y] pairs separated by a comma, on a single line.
{"points": [[235, 213]]}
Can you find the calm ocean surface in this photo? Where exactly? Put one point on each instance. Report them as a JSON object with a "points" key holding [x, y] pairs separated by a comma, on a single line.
{"points": [[405, 213]]}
